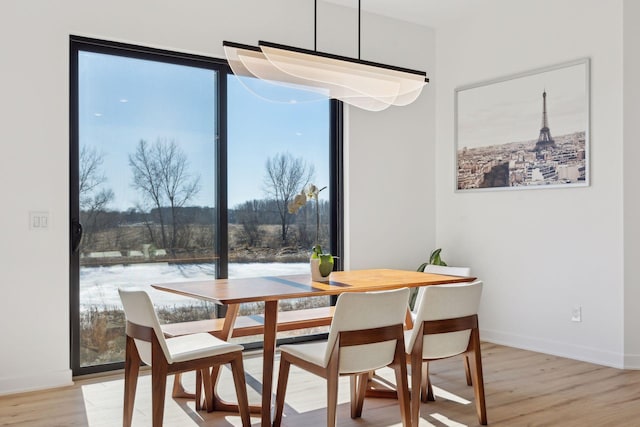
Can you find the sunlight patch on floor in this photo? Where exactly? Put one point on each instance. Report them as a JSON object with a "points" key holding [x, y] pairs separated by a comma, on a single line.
{"points": [[446, 421], [439, 392]]}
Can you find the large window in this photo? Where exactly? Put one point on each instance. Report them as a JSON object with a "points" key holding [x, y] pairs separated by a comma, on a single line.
{"points": [[178, 172]]}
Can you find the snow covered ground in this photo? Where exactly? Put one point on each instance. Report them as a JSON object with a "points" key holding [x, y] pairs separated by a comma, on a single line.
{"points": [[99, 285]]}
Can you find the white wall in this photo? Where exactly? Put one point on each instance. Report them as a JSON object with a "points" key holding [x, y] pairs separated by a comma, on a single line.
{"points": [[631, 182], [389, 204], [540, 252], [34, 41]]}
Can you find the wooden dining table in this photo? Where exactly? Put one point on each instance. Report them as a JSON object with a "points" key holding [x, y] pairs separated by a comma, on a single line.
{"points": [[271, 289]]}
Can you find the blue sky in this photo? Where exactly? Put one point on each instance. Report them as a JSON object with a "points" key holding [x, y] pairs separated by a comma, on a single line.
{"points": [[124, 100]]}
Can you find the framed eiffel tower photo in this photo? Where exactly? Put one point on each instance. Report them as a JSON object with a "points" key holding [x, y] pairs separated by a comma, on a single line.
{"points": [[525, 131]]}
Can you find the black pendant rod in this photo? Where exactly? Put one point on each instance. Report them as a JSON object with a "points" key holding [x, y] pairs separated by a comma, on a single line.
{"points": [[315, 25], [359, 16]]}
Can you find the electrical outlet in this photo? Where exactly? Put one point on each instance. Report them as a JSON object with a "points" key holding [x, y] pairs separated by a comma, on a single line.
{"points": [[576, 314]]}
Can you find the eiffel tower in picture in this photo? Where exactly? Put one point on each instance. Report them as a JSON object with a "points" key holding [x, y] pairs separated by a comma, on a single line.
{"points": [[544, 140]]}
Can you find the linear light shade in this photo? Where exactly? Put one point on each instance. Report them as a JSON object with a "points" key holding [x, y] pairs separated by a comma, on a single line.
{"points": [[364, 84]]}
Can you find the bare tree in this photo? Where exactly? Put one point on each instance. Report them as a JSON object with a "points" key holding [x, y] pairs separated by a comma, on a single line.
{"points": [[161, 174], [285, 176], [93, 196], [247, 215], [90, 175], [146, 178], [177, 184]]}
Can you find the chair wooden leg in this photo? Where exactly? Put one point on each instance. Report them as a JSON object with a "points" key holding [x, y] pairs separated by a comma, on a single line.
{"points": [[237, 369], [400, 369], [430, 396], [131, 369], [353, 389], [215, 376], [198, 390], [159, 370], [467, 370], [206, 384], [283, 377], [358, 391], [158, 389], [332, 398], [423, 384], [416, 386], [478, 380], [426, 389]]}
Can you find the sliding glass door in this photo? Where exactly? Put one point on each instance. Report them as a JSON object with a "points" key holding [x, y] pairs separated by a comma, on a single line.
{"points": [[176, 174], [146, 195]]}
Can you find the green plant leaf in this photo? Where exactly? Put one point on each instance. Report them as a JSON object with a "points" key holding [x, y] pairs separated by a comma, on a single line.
{"points": [[434, 259], [435, 256], [317, 251]]}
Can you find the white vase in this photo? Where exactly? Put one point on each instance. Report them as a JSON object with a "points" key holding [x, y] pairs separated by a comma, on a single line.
{"points": [[314, 264]]}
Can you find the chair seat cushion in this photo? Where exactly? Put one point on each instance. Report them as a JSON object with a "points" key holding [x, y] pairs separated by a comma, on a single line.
{"points": [[447, 345], [197, 346], [352, 359], [312, 352]]}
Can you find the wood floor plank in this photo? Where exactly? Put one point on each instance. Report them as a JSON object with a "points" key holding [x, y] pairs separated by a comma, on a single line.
{"points": [[523, 388]]}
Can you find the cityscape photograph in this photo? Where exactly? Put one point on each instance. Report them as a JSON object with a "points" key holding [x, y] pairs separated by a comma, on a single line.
{"points": [[493, 149]]}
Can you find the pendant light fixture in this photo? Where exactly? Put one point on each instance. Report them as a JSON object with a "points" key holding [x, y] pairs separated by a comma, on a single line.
{"points": [[363, 84]]}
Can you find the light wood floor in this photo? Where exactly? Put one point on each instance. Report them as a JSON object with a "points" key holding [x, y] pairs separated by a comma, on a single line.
{"points": [[523, 389]]}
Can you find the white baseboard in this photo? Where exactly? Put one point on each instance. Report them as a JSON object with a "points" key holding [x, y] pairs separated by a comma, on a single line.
{"points": [[41, 381], [35, 381], [561, 349], [632, 361]]}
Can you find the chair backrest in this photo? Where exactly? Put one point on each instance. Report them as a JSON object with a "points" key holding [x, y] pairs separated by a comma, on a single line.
{"points": [[138, 309], [445, 269], [445, 302], [366, 310], [440, 269]]}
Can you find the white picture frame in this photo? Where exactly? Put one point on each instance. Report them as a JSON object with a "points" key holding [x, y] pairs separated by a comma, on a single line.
{"points": [[524, 131]]}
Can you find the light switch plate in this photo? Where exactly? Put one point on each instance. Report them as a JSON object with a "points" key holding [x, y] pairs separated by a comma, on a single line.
{"points": [[38, 220]]}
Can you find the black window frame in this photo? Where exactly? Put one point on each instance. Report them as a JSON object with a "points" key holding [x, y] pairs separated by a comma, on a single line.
{"points": [[79, 44]]}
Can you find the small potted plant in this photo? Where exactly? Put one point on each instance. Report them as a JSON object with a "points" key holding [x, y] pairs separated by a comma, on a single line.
{"points": [[321, 265]]}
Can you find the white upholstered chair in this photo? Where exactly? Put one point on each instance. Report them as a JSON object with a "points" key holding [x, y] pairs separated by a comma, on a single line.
{"points": [[366, 334], [439, 269], [449, 271], [446, 325], [199, 352]]}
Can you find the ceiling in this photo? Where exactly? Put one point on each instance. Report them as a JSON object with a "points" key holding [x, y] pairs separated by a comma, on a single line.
{"points": [[431, 13]]}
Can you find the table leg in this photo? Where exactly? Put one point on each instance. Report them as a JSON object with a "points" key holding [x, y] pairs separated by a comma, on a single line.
{"points": [[270, 322], [224, 334], [179, 390], [380, 387], [229, 321], [271, 312], [218, 403]]}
